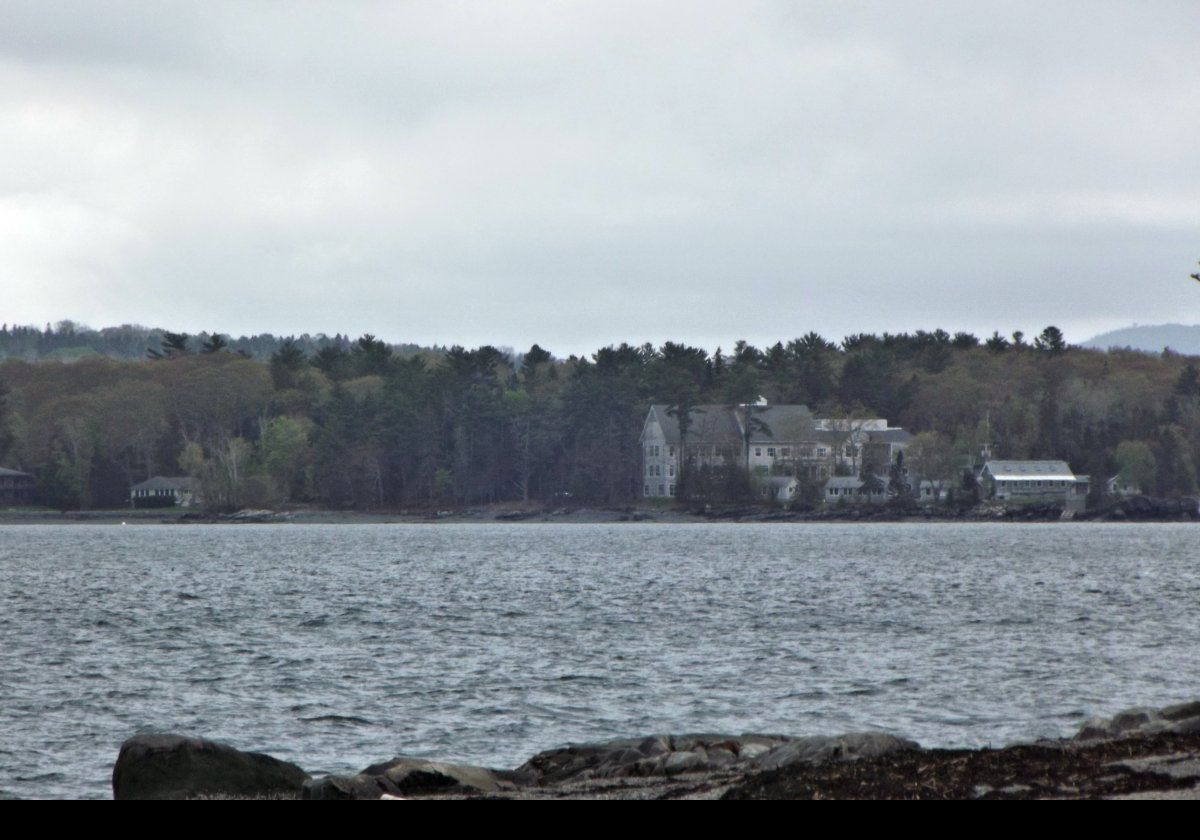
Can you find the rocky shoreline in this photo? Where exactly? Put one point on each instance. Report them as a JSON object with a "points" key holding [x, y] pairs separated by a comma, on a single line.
{"points": [[1133, 509], [1139, 753]]}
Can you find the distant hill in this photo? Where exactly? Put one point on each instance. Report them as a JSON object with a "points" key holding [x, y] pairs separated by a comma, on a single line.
{"points": [[1151, 338]]}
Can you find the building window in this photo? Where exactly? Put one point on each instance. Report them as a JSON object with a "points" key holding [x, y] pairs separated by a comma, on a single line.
{"points": [[671, 451], [757, 452], [646, 491], [671, 470], [672, 489], [771, 451], [786, 452]]}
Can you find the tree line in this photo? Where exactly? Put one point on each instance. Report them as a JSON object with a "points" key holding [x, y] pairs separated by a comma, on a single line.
{"points": [[68, 340], [362, 424]]}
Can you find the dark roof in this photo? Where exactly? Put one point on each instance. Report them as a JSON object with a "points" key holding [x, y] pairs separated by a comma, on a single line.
{"points": [[722, 425], [711, 424], [785, 424], [890, 436], [159, 482]]}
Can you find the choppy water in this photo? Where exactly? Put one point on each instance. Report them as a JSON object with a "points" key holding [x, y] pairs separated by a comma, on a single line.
{"points": [[337, 646]]}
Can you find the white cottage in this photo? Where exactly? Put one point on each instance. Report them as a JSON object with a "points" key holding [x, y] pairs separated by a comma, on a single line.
{"points": [[849, 489], [163, 491]]}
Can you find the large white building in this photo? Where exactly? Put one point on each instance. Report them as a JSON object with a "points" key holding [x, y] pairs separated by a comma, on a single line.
{"points": [[1017, 482], [768, 440]]}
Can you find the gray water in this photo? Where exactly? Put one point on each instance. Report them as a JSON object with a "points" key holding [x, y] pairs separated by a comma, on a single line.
{"points": [[338, 646]]}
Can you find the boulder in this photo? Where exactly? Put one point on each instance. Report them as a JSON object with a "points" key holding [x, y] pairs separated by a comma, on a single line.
{"points": [[820, 748], [691, 761], [177, 767], [671, 755], [405, 776], [1180, 718]]}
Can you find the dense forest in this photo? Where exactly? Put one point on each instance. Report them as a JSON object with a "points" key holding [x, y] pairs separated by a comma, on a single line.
{"points": [[364, 424]]}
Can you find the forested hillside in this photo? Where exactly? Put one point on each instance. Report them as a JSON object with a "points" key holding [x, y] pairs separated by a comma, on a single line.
{"points": [[360, 425]]}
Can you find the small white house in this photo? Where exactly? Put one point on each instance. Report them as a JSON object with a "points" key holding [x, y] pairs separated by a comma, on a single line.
{"points": [[933, 491], [849, 489], [1118, 486], [163, 491], [781, 488]]}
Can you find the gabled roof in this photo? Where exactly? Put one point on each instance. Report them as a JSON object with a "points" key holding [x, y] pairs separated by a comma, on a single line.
{"points": [[711, 424], [7, 473], [159, 482], [784, 423], [1030, 470], [723, 425]]}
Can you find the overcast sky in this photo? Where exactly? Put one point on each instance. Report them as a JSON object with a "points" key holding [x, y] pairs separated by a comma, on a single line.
{"points": [[577, 174]]}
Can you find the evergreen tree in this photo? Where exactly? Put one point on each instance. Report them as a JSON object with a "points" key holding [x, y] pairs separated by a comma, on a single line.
{"points": [[215, 343]]}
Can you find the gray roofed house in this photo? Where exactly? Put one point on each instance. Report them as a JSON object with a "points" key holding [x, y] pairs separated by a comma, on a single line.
{"points": [[164, 491], [1033, 481], [850, 488]]}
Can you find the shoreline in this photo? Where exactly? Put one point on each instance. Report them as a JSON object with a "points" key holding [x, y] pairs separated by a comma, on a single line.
{"points": [[1139, 753], [1162, 511]]}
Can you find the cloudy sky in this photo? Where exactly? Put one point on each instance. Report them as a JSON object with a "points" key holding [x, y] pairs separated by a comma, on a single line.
{"points": [[583, 173]]}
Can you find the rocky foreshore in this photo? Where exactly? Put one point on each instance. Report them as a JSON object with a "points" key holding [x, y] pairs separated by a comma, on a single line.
{"points": [[1131, 509], [1141, 753]]}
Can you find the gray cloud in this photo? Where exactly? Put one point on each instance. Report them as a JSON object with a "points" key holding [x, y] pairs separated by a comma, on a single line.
{"points": [[575, 174]]}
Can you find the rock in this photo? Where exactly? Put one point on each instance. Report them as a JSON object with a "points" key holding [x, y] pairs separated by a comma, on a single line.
{"points": [[819, 748], [1092, 729], [670, 755], [720, 757], [1182, 711], [1186, 726], [1178, 766], [176, 767], [1182, 718], [406, 776], [332, 788], [692, 761], [1130, 719], [752, 750]]}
